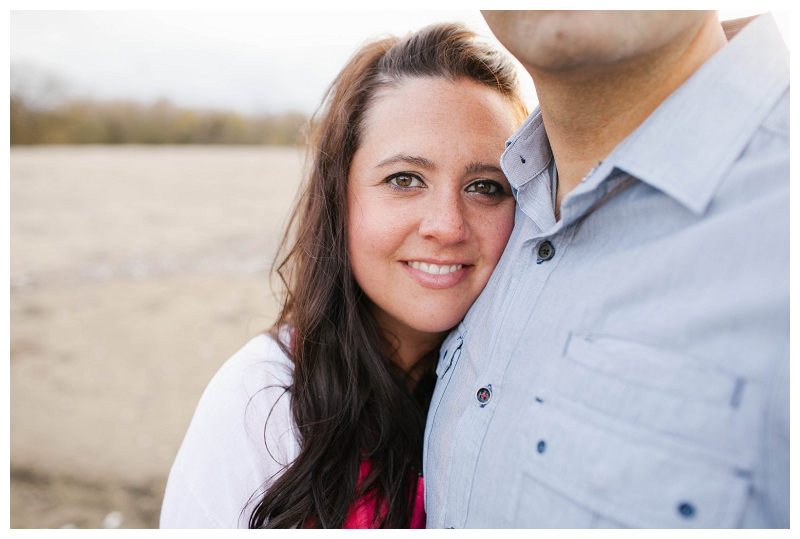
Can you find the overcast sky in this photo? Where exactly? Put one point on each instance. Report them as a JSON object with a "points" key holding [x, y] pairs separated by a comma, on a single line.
{"points": [[246, 61]]}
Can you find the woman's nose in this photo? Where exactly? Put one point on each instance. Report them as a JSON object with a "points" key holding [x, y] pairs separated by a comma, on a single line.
{"points": [[444, 220]]}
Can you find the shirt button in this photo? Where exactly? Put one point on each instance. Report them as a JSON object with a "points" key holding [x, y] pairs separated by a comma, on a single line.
{"points": [[541, 446], [546, 251], [484, 395], [686, 510]]}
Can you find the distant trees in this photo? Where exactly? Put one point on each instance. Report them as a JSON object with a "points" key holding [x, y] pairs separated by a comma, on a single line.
{"points": [[125, 122]]}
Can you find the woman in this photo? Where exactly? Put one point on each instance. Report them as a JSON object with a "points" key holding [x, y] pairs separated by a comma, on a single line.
{"points": [[404, 217]]}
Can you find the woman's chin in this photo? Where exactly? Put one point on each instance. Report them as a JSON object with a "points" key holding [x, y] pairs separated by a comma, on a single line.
{"points": [[441, 324]]}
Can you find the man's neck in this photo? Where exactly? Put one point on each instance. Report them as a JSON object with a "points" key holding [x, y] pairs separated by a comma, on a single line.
{"points": [[587, 112]]}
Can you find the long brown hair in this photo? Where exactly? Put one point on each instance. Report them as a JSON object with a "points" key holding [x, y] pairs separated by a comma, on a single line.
{"points": [[348, 399]]}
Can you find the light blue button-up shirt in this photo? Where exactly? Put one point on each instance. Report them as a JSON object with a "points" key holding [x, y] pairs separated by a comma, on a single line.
{"points": [[640, 376]]}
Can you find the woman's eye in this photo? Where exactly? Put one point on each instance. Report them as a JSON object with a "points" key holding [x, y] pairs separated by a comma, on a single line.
{"points": [[484, 187], [405, 180]]}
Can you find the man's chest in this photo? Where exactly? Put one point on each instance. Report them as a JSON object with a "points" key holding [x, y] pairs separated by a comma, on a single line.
{"points": [[625, 372]]}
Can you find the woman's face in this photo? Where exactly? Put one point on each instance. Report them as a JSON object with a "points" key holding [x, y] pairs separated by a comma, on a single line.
{"points": [[430, 209]]}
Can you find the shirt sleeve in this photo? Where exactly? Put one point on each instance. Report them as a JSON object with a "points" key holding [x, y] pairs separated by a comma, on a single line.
{"points": [[240, 439]]}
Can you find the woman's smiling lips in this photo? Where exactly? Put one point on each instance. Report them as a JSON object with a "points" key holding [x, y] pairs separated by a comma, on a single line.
{"points": [[439, 276]]}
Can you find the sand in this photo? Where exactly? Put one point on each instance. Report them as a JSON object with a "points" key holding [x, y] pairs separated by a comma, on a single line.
{"points": [[135, 273]]}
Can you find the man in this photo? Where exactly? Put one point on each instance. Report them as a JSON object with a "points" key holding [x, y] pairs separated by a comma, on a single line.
{"points": [[628, 363]]}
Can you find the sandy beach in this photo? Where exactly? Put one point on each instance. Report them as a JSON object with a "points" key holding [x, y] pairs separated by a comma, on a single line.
{"points": [[135, 273]]}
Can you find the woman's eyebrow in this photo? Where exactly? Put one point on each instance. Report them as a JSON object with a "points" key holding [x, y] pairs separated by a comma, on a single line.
{"points": [[477, 167], [403, 158]]}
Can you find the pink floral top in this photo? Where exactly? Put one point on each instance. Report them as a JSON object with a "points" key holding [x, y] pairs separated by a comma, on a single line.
{"points": [[363, 509]]}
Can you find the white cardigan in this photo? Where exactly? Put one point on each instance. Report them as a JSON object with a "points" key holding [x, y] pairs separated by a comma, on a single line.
{"points": [[224, 463]]}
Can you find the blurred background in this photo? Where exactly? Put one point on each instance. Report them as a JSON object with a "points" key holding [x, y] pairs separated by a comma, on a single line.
{"points": [[154, 158]]}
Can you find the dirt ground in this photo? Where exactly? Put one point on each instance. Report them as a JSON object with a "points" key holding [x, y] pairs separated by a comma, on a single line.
{"points": [[135, 273]]}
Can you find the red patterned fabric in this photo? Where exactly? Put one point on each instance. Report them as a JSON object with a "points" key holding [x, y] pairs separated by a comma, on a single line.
{"points": [[361, 512]]}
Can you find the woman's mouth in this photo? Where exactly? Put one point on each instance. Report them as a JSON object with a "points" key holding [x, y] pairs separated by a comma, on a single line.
{"points": [[436, 276], [434, 269]]}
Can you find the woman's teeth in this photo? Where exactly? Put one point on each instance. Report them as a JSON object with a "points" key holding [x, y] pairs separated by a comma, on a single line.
{"points": [[435, 269]]}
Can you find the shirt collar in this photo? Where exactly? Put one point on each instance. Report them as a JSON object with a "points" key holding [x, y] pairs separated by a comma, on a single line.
{"points": [[687, 145]]}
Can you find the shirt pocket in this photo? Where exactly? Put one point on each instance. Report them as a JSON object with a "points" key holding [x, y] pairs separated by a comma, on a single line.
{"points": [[654, 388], [606, 472], [616, 437]]}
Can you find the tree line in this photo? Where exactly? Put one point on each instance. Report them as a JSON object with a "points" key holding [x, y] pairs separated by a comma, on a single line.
{"points": [[127, 122]]}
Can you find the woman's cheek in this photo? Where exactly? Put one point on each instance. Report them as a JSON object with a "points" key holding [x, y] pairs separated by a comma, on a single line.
{"points": [[379, 226], [497, 227]]}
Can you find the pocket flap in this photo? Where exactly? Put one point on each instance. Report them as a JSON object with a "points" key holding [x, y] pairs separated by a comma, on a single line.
{"points": [[655, 368]]}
